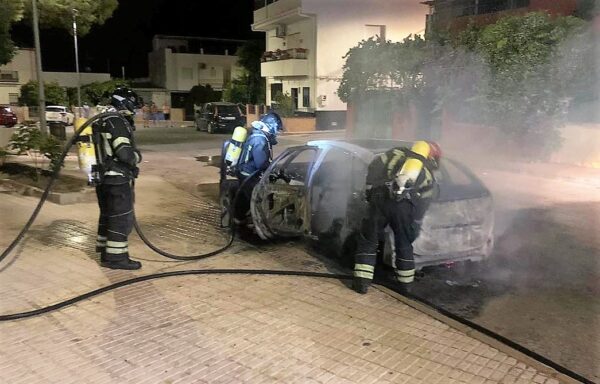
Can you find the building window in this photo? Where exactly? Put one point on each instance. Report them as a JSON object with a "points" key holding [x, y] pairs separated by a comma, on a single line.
{"points": [[213, 72], [13, 98], [306, 97], [374, 30], [187, 73]]}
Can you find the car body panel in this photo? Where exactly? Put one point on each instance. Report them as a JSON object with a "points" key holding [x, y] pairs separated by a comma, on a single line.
{"points": [[457, 226], [221, 116], [7, 117], [57, 113]]}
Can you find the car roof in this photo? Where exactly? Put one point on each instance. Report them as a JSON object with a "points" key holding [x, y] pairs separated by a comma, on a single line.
{"points": [[56, 106], [364, 146]]}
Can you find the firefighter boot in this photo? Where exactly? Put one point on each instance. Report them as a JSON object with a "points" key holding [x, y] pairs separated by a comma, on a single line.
{"points": [[102, 252], [361, 285], [405, 288], [127, 264]]}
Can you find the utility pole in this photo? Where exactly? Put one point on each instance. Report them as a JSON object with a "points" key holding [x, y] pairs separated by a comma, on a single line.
{"points": [[75, 12], [40, 77]]}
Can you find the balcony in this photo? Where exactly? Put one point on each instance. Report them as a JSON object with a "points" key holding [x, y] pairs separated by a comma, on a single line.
{"points": [[285, 64], [9, 77], [286, 54], [270, 13]]}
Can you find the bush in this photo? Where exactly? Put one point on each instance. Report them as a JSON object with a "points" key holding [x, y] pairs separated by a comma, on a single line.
{"points": [[40, 149], [283, 105], [55, 94]]}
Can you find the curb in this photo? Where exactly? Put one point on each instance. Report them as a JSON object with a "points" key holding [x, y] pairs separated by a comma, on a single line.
{"points": [[481, 337], [61, 198]]}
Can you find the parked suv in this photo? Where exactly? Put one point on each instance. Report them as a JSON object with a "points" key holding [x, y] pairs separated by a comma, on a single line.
{"points": [[221, 116], [59, 114], [7, 116]]}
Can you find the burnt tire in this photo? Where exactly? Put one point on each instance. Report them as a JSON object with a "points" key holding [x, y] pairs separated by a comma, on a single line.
{"points": [[228, 189]]}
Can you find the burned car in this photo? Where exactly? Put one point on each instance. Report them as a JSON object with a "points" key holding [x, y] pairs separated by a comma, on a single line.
{"points": [[317, 191]]}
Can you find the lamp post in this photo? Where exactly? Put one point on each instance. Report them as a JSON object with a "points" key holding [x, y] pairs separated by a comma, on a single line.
{"points": [[75, 12], [38, 62]]}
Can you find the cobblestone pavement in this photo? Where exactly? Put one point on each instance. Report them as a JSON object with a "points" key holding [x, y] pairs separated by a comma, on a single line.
{"points": [[217, 329]]}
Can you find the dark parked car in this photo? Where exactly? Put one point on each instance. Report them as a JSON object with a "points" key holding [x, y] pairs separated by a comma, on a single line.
{"points": [[7, 117], [316, 190], [219, 117]]}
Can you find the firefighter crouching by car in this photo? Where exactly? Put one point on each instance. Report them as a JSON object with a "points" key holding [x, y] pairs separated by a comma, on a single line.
{"points": [[117, 159], [255, 158], [400, 186]]}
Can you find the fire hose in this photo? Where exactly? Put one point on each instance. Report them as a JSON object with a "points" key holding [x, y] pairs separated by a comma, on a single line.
{"points": [[260, 272]]}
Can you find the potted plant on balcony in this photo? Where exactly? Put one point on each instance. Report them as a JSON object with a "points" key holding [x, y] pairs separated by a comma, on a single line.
{"points": [[301, 53]]}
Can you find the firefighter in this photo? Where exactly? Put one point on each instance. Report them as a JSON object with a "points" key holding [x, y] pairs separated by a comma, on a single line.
{"points": [[117, 158], [256, 156], [400, 186]]}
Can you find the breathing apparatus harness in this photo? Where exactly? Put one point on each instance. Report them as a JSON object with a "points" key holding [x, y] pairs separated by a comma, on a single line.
{"points": [[263, 272]]}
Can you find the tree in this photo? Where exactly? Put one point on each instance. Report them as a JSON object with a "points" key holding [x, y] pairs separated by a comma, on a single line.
{"points": [[201, 94], [249, 87], [11, 11], [376, 64], [53, 13], [531, 66], [55, 94], [95, 93]]}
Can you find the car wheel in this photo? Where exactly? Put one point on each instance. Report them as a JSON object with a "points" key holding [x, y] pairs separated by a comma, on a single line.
{"points": [[227, 193], [210, 128]]}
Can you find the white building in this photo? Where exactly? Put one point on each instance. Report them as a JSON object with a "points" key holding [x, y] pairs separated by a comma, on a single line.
{"points": [[312, 37], [22, 69], [178, 63], [16, 73]]}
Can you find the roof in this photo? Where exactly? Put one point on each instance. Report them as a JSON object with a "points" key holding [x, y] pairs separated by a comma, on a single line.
{"points": [[371, 146]]}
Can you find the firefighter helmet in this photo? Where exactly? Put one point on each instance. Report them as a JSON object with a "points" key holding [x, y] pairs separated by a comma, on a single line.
{"points": [[435, 153]]}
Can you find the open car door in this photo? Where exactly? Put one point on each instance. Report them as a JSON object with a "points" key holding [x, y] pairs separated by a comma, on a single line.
{"points": [[280, 205]]}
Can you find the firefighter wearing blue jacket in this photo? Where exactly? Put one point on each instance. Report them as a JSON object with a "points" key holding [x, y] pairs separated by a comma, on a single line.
{"points": [[256, 156]]}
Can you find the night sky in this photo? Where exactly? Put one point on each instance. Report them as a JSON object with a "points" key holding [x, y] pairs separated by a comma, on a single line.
{"points": [[126, 38]]}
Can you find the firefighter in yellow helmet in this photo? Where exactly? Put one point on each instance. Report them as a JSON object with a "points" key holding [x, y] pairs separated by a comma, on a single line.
{"points": [[400, 186]]}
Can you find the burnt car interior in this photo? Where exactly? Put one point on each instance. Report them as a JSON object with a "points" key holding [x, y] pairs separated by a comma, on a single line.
{"points": [[285, 202], [331, 189]]}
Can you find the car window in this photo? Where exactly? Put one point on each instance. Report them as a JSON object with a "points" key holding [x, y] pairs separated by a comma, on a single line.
{"points": [[228, 110], [335, 168], [299, 167], [54, 109], [451, 173]]}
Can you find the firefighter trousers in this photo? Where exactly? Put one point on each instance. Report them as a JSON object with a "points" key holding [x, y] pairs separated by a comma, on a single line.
{"points": [[116, 221], [244, 197], [401, 216]]}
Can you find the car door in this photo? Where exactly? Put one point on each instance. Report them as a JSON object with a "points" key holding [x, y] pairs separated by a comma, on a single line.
{"points": [[280, 203]]}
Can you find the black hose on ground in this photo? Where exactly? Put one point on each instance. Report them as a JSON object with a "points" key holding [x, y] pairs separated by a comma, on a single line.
{"points": [[85, 296], [139, 279], [200, 256], [266, 272], [51, 182]]}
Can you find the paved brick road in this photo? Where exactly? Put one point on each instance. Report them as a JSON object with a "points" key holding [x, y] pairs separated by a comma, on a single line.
{"points": [[219, 329]]}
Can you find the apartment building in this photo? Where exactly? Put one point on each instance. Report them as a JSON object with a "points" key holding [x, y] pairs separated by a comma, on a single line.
{"points": [[306, 41]]}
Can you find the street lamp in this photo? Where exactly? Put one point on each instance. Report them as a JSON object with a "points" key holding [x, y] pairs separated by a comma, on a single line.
{"points": [[38, 62], [75, 12]]}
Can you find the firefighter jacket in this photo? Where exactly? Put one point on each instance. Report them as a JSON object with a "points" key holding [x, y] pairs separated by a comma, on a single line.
{"points": [[116, 153], [256, 154], [384, 168]]}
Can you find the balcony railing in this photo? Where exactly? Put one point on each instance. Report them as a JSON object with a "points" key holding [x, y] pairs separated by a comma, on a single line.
{"points": [[286, 54], [9, 76], [258, 4]]}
